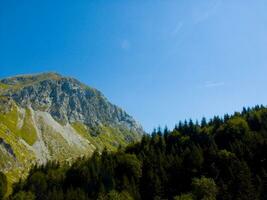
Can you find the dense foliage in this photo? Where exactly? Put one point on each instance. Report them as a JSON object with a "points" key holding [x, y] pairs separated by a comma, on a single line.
{"points": [[3, 185], [223, 158]]}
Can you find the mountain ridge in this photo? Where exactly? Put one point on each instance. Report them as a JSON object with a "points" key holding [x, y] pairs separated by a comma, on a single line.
{"points": [[51, 117], [68, 84]]}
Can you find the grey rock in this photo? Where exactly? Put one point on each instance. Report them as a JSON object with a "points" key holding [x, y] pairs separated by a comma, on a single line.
{"points": [[7, 147], [68, 101]]}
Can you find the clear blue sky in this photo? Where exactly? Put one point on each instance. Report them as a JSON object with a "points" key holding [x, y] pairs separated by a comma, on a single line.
{"points": [[162, 61]]}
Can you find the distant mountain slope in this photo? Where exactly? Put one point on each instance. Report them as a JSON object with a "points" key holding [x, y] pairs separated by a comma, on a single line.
{"points": [[50, 117]]}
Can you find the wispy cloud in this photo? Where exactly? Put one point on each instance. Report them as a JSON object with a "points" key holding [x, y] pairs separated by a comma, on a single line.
{"points": [[211, 84], [125, 44], [202, 15], [177, 29]]}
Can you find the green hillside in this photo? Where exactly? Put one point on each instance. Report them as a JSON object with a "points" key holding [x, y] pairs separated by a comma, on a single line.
{"points": [[223, 158]]}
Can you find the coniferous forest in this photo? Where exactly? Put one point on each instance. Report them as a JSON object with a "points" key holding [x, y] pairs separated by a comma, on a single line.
{"points": [[222, 158]]}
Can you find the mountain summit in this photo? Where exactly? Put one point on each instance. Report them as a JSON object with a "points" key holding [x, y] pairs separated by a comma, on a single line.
{"points": [[67, 100], [51, 117]]}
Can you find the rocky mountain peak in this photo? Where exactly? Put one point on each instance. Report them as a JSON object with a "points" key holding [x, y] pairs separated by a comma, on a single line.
{"points": [[67, 100], [46, 117]]}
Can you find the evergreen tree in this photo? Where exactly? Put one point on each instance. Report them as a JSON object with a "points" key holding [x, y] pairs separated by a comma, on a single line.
{"points": [[204, 188]]}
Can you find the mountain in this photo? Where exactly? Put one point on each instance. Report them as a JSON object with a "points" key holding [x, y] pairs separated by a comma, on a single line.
{"points": [[51, 117]]}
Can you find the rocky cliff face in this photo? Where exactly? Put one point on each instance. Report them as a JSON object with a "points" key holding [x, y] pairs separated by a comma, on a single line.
{"points": [[67, 100], [50, 117]]}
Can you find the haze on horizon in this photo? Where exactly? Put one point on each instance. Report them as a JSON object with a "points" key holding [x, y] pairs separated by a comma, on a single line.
{"points": [[161, 61]]}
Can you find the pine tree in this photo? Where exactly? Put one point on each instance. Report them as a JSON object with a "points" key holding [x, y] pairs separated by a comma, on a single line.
{"points": [[204, 188], [243, 185]]}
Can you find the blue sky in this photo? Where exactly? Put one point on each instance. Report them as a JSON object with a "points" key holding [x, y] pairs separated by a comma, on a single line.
{"points": [[161, 61]]}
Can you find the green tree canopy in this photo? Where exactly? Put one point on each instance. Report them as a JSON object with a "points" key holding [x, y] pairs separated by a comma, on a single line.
{"points": [[204, 188]]}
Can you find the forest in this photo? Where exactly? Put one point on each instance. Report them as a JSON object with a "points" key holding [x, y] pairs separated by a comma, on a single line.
{"points": [[222, 158]]}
